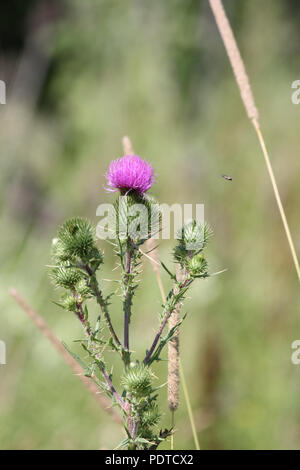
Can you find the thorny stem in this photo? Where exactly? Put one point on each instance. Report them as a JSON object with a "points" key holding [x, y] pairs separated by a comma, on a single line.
{"points": [[127, 300], [104, 309], [94, 286], [80, 314], [163, 324], [102, 303], [132, 423], [158, 335], [114, 392]]}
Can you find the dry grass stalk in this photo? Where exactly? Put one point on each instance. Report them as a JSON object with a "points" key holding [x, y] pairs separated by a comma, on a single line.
{"points": [[77, 370], [248, 100], [128, 150], [234, 57], [173, 356]]}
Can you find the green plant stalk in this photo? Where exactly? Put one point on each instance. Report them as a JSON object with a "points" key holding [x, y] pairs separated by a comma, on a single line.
{"points": [[132, 423], [127, 300], [114, 392], [157, 337], [188, 405], [182, 287], [103, 305], [172, 424]]}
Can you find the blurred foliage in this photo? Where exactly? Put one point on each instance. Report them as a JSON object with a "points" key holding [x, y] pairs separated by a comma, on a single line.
{"points": [[158, 72]]}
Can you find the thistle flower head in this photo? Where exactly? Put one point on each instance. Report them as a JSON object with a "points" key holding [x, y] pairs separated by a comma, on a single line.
{"points": [[130, 173]]}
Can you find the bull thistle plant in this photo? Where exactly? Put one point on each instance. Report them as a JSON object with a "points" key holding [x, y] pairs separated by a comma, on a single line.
{"points": [[77, 263]]}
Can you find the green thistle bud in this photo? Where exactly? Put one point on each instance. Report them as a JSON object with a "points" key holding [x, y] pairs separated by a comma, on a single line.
{"points": [[198, 266], [65, 276], [137, 380], [83, 289], [193, 238], [151, 416], [76, 238], [69, 303], [57, 251], [96, 258]]}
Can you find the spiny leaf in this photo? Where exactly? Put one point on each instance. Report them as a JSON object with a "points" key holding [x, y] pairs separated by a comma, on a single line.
{"points": [[172, 276]]}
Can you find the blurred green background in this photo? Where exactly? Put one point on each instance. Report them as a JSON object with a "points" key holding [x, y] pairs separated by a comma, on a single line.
{"points": [[79, 76]]}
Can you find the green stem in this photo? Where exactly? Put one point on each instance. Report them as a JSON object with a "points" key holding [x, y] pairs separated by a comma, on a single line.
{"points": [[173, 424], [127, 300], [128, 290], [188, 405], [80, 315], [113, 391], [156, 339], [103, 305], [182, 286], [124, 405]]}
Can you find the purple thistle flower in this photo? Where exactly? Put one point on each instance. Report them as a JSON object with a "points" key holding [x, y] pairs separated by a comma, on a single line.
{"points": [[130, 173]]}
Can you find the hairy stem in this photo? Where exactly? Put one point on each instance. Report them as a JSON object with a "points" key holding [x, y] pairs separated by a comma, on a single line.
{"points": [[80, 314], [132, 425], [114, 392], [158, 335], [103, 305], [163, 323], [87, 330], [127, 300]]}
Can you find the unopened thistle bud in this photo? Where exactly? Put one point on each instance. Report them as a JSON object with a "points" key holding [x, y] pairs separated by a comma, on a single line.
{"points": [[198, 266], [137, 379]]}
